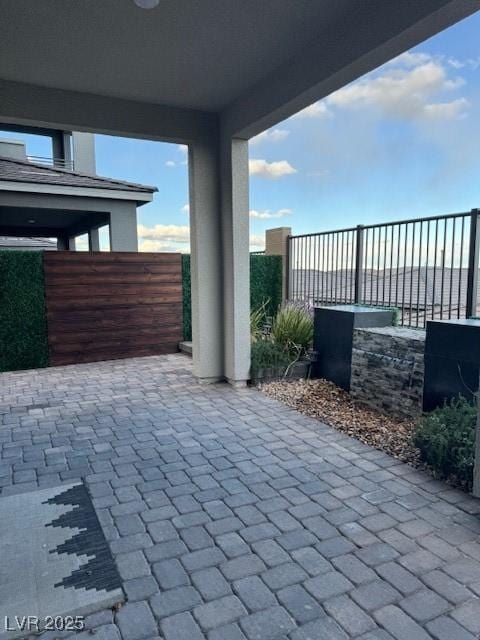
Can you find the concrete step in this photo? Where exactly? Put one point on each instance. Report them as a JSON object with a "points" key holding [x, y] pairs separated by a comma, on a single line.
{"points": [[185, 347]]}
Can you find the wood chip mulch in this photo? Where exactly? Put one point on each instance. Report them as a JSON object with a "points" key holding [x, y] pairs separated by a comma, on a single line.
{"points": [[328, 403]]}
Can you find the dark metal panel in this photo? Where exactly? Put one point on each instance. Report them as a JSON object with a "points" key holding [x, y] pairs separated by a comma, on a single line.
{"points": [[333, 338]]}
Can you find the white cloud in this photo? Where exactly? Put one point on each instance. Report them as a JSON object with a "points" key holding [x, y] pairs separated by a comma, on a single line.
{"points": [[408, 87], [182, 149], [158, 246], [315, 110], [185, 208], [405, 87], [176, 238], [446, 110], [171, 233], [397, 90], [410, 59], [404, 93], [413, 59], [270, 135], [265, 215], [470, 63], [257, 243], [270, 170]]}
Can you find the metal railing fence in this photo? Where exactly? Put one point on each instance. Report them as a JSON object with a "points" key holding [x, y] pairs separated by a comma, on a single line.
{"points": [[52, 162], [425, 267]]}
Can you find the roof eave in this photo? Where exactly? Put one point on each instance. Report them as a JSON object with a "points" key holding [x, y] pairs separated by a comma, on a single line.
{"points": [[71, 191]]}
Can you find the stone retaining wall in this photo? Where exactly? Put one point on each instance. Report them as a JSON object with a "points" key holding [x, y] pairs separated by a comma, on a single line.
{"points": [[388, 370]]}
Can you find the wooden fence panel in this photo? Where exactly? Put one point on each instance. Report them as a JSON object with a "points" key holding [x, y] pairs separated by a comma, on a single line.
{"points": [[104, 306]]}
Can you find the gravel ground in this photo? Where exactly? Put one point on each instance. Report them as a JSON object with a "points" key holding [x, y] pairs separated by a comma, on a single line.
{"points": [[330, 404]]}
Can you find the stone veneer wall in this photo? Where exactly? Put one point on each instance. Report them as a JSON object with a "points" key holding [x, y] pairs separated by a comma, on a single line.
{"points": [[388, 370]]}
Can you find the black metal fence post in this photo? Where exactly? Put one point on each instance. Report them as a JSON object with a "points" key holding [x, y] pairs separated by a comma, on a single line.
{"points": [[288, 272], [358, 294], [473, 254]]}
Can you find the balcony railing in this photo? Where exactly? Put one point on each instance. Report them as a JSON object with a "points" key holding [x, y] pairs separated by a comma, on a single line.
{"points": [[52, 162]]}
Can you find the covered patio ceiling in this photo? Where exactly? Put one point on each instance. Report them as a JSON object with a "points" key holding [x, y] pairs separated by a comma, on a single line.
{"points": [[254, 63], [208, 74], [18, 221]]}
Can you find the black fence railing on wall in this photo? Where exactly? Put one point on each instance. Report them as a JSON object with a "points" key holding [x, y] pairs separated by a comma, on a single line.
{"points": [[427, 267]]}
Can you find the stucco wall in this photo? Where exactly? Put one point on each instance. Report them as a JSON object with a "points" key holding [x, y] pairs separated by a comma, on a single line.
{"points": [[388, 370]]}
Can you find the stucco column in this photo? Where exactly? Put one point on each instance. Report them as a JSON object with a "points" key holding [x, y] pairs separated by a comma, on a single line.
{"points": [[83, 152], [220, 268], [72, 244], [123, 227], [236, 258], [93, 240], [206, 262]]}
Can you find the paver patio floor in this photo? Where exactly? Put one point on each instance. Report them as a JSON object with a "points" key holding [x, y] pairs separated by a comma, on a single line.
{"points": [[231, 516]]}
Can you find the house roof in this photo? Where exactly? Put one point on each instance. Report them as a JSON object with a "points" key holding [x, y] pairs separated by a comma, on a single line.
{"points": [[27, 243], [416, 286], [28, 172]]}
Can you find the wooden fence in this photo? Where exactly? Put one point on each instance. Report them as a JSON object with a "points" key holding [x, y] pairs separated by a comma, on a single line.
{"points": [[103, 306]]}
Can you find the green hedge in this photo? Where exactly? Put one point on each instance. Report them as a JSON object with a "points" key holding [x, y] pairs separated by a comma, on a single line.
{"points": [[23, 327], [265, 284], [187, 298]]}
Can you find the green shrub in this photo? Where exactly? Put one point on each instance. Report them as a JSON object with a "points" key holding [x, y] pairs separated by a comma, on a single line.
{"points": [[257, 321], [23, 327], [446, 440], [266, 283], [292, 328], [187, 298], [268, 355]]}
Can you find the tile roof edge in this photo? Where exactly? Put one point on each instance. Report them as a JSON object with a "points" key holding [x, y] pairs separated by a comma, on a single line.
{"points": [[26, 163]]}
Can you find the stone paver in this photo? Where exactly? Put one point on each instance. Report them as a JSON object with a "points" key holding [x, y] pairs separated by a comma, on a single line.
{"points": [[301, 606], [231, 516], [254, 594], [210, 583], [424, 605], [181, 627], [349, 615], [219, 612], [268, 624], [135, 621], [444, 628]]}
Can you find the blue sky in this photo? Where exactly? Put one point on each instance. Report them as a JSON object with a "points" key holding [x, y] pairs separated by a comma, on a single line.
{"points": [[401, 142]]}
